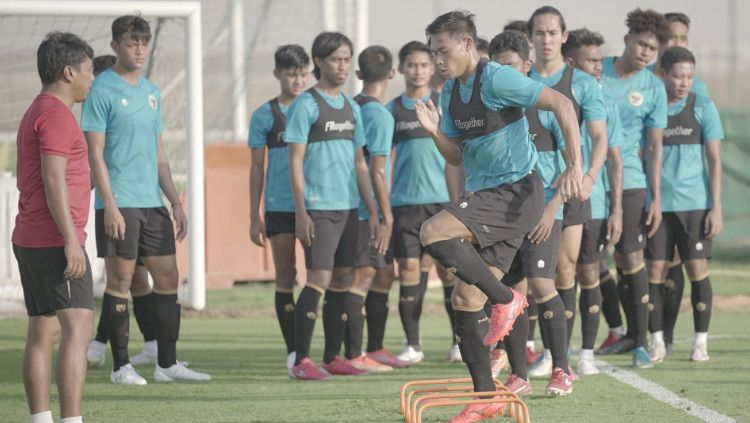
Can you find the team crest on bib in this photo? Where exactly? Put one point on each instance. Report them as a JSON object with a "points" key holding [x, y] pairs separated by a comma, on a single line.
{"points": [[152, 101], [635, 98]]}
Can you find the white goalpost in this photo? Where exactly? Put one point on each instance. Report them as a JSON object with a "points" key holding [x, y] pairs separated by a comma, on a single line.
{"points": [[194, 295]]}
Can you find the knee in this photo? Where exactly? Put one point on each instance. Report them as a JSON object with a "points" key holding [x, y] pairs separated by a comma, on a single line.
{"points": [[697, 269], [656, 270], [286, 278], [467, 297], [427, 233], [630, 261], [587, 275]]}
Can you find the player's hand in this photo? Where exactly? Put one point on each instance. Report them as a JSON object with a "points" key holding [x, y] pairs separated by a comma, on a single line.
{"points": [[386, 229], [614, 228], [373, 224], [258, 232], [714, 223], [180, 221], [428, 116], [304, 228], [587, 184], [543, 229], [114, 224], [76, 258], [569, 183], [653, 217]]}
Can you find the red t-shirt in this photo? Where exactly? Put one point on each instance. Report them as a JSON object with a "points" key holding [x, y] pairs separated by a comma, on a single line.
{"points": [[49, 128]]}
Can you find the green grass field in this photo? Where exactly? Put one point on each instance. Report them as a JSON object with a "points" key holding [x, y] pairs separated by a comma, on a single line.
{"points": [[246, 358]]}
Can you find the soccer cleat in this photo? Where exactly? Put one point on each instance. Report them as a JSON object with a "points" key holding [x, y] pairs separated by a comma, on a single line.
{"points": [[518, 386], [340, 366], [126, 375], [622, 345], [641, 359], [657, 353], [612, 338], [454, 355], [411, 355], [531, 356], [559, 384], [499, 361], [363, 362], [383, 356], [541, 368], [587, 367], [178, 371], [573, 376], [503, 316], [478, 412], [306, 370], [700, 353], [95, 354], [149, 355]]}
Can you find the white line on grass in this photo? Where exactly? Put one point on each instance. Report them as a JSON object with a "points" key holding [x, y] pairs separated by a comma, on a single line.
{"points": [[663, 394]]}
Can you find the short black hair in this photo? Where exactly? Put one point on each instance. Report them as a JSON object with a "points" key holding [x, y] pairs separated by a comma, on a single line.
{"points": [[648, 20], [375, 63], [545, 10], [581, 37], [325, 44], [411, 47], [457, 22], [675, 55], [677, 17], [483, 45], [58, 50], [291, 56], [138, 28], [102, 63], [520, 26], [510, 40]]}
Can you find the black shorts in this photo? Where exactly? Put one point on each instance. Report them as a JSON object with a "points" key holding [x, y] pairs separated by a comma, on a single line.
{"points": [[683, 229], [576, 212], [536, 260], [45, 289], [148, 232], [407, 221], [335, 242], [367, 255], [279, 223], [593, 242], [500, 217], [633, 236]]}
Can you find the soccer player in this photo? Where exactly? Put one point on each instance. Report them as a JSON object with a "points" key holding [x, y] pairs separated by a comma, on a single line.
{"points": [[679, 28], [122, 122], [327, 166], [548, 33], [277, 225], [583, 51], [483, 126], [522, 27], [536, 259], [642, 103], [691, 198], [483, 48], [373, 268], [53, 208]]}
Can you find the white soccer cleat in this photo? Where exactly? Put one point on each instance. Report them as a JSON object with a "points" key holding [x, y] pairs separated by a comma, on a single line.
{"points": [[149, 354], [700, 353], [411, 355], [126, 375], [454, 355], [587, 367], [542, 367], [95, 354], [657, 353], [290, 358], [178, 372]]}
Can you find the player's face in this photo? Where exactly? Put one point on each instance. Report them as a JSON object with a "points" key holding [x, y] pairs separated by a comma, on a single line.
{"points": [[679, 79], [293, 81], [451, 53], [640, 49], [131, 53], [512, 59], [589, 60], [548, 37], [81, 79], [678, 35], [417, 69], [335, 67]]}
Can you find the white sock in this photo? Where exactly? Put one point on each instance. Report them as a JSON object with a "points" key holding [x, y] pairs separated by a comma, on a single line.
{"points": [[530, 344], [701, 338], [547, 354], [43, 417], [78, 419], [620, 330], [658, 338], [586, 354]]}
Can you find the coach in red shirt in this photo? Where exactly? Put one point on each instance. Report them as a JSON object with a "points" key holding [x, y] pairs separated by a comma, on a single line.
{"points": [[55, 186]]}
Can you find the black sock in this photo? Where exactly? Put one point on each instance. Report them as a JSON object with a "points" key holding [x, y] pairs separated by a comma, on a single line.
{"points": [[532, 312], [407, 302], [471, 327], [701, 297], [552, 324], [305, 313], [515, 346], [590, 304], [639, 300], [610, 300], [334, 323], [144, 316], [167, 319], [447, 294], [674, 287], [625, 294], [118, 328], [101, 328], [376, 306], [423, 278], [655, 307], [568, 297], [460, 257], [355, 325], [285, 314]]}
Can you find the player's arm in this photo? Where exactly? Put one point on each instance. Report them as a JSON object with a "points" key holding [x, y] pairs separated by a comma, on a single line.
{"points": [[614, 172], [654, 140], [114, 223], [56, 193], [167, 186], [714, 220], [257, 178], [429, 117], [380, 185], [455, 179], [597, 130], [304, 227], [365, 193]]}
